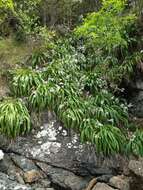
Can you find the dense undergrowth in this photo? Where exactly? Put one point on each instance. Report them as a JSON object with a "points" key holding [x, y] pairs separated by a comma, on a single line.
{"points": [[78, 77]]}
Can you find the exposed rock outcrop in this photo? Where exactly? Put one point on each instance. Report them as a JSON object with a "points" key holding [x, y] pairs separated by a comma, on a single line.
{"points": [[53, 157]]}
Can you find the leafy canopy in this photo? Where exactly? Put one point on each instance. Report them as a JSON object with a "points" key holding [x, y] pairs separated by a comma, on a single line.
{"points": [[107, 27], [5, 6]]}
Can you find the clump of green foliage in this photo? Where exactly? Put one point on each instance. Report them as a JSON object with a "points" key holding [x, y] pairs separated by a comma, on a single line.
{"points": [[6, 9], [107, 28], [27, 15], [24, 79], [109, 139], [37, 58], [5, 5], [43, 96], [109, 40], [135, 143], [14, 117]]}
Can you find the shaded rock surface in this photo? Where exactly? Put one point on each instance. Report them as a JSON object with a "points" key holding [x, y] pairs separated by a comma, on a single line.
{"points": [[134, 91], [136, 169]]}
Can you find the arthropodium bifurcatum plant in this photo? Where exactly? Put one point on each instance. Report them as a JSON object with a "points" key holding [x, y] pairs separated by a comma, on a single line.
{"points": [[109, 139], [23, 81], [135, 144], [14, 118], [45, 95]]}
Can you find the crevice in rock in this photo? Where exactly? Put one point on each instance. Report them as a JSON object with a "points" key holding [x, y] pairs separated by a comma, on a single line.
{"points": [[57, 187]]}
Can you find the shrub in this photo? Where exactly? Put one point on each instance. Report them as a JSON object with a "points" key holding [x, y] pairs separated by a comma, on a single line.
{"points": [[107, 28], [4, 7], [6, 12], [108, 37], [14, 118]]}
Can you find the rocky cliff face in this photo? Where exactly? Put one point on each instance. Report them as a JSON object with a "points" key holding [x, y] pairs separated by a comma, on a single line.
{"points": [[51, 157]]}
